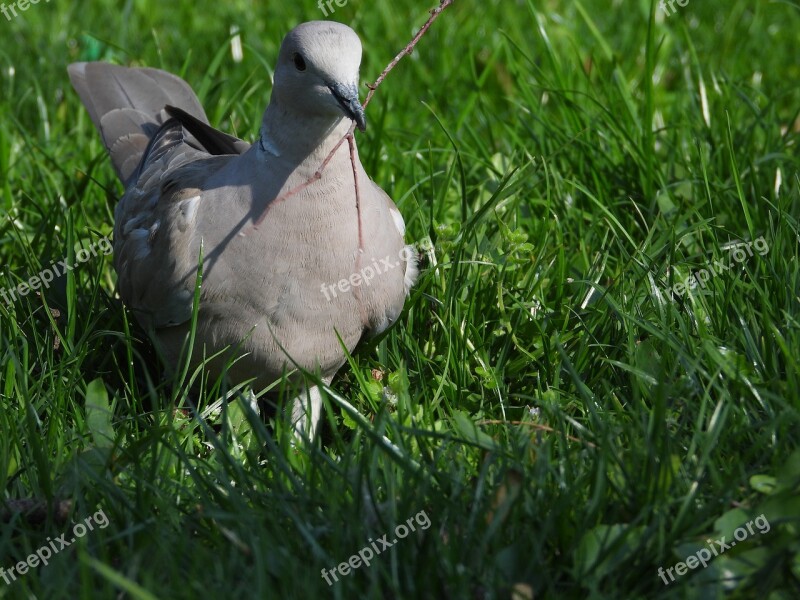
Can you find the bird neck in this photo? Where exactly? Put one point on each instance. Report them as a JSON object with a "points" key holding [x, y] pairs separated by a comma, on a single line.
{"points": [[298, 139]]}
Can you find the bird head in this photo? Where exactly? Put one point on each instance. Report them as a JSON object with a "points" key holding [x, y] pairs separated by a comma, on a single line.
{"points": [[317, 71]]}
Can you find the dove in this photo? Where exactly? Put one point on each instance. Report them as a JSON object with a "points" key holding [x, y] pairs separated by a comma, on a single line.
{"points": [[276, 233]]}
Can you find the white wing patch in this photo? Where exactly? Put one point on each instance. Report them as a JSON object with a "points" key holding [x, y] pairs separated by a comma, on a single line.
{"points": [[398, 220], [412, 269], [188, 212]]}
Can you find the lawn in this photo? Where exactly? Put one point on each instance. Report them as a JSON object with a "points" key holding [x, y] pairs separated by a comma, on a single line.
{"points": [[593, 391]]}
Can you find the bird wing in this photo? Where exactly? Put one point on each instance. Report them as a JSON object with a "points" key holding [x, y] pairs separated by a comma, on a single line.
{"points": [[156, 245]]}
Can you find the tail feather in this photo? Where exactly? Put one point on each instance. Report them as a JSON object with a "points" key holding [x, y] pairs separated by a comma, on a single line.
{"points": [[126, 106]]}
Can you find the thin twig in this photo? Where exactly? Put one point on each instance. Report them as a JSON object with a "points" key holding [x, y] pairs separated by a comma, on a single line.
{"points": [[351, 143], [535, 426], [408, 49], [299, 188], [357, 268]]}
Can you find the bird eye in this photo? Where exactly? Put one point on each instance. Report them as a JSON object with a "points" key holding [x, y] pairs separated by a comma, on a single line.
{"points": [[299, 63]]}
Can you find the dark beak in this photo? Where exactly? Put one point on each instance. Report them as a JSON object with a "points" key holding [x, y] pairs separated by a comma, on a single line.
{"points": [[347, 96]]}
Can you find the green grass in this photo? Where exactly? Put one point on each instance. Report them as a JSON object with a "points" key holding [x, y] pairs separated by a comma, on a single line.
{"points": [[571, 163]]}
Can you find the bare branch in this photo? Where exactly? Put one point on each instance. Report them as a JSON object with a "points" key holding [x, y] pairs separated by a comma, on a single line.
{"points": [[299, 188], [408, 49], [534, 426]]}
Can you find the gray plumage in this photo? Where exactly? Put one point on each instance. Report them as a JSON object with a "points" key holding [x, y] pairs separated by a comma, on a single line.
{"points": [[187, 184]]}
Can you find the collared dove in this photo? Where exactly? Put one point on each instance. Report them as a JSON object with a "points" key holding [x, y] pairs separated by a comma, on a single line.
{"points": [[273, 264]]}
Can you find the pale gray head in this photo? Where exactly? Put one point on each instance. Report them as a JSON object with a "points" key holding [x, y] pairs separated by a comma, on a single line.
{"points": [[317, 71]]}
